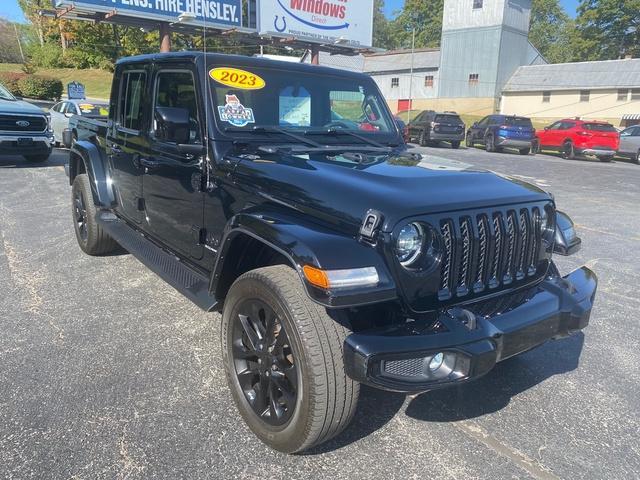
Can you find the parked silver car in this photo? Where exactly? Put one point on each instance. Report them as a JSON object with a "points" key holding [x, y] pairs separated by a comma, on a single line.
{"points": [[630, 143], [62, 112]]}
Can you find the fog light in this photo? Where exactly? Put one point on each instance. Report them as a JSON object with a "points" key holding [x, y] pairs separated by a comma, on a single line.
{"points": [[436, 361]]}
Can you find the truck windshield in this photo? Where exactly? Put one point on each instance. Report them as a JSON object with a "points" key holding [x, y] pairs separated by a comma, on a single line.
{"points": [[5, 94], [299, 102]]}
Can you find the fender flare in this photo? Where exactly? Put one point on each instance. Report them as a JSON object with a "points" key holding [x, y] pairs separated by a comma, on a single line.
{"points": [[304, 243], [95, 164]]}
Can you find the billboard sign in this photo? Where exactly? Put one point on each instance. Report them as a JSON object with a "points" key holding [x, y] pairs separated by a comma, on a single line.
{"points": [[212, 13], [347, 23]]}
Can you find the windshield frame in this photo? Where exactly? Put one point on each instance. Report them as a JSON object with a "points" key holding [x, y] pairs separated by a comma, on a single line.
{"points": [[220, 129], [5, 94]]}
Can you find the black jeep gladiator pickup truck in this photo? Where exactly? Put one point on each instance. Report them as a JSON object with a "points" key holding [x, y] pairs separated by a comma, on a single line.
{"points": [[283, 196]]}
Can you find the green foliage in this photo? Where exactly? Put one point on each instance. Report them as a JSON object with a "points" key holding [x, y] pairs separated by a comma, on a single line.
{"points": [[41, 88], [48, 55], [550, 30], [423, 15], [383, 33], [11, 80], [607, 29]]}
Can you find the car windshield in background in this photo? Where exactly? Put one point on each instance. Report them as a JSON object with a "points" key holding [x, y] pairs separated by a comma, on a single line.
{"points": [[448, 119], [600, 127], [5, 94], [93, 110], [300, 103], [517, 122]]}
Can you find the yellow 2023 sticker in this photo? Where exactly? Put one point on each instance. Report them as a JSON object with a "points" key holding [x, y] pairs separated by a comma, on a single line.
{"points": [[234, 77]]}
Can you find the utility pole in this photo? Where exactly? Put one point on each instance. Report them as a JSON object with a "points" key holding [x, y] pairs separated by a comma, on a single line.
{"points": [[165, 37], [315, 55], [413, 47], [15, 29]]}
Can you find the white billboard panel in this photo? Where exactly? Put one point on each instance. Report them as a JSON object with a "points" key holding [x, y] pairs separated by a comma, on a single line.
{"points": [[348, 23]]}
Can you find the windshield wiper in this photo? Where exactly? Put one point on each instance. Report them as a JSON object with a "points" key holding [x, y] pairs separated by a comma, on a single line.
{"points": [[336, 131], [272, 129]]}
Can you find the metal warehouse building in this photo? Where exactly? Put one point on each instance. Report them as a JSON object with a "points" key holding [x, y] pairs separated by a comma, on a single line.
{"points": [[486, 64]]}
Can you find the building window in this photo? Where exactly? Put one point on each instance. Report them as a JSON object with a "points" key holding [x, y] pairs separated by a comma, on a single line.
{"points": [[546, 96], [623, 93], [395, 82], [477, 4], [428, 81], [473, 78], [635, 94], [584, 95]]}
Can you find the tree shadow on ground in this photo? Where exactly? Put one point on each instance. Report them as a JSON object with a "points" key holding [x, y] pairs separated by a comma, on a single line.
{"points": [[57, 159]]}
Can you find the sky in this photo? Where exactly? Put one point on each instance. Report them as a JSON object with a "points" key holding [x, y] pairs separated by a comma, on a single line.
{"points": [[10, 9]]}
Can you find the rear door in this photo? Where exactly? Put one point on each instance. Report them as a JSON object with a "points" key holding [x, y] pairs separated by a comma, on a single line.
{"points": [[57, 118], [125, 141], [480, 129], [174, 202], [414, 125]]}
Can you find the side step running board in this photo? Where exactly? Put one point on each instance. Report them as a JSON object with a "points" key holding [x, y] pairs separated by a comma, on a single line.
{"points": [[187, 281]]}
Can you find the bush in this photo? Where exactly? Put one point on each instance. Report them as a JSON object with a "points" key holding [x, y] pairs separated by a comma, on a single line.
{"points": [[77, 58], [41, 88], [48, 55], [11, 80]]}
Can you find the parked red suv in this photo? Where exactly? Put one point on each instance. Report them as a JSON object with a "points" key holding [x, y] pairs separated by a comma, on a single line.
{"points": [[574, 137]]}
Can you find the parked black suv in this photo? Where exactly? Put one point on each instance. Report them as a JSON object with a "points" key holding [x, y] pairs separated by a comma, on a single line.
{"points": [[282, 195], [430, 127]]}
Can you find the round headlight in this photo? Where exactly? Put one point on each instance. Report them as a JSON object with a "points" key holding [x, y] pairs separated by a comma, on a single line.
{"points": [[409, 243]]}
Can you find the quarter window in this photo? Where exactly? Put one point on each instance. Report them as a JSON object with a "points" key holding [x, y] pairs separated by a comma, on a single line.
{"points": [[395, 82], [584, 95], [130, 114], [546, 96]]}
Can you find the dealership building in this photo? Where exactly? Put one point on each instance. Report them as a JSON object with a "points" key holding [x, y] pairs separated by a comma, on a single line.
{"points": [[486, 64]]}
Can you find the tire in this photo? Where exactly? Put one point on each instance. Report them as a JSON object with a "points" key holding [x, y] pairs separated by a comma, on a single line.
{"points": [[37, 158], [524, 151], [535, 147], [422, 139], [489, 144], [636, 159], [325, 398], [605, 158], [568, 151], [92, 239], [455, 144], [468, 141]]}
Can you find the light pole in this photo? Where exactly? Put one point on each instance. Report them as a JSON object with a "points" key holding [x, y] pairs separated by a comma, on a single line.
{"points": [[413, 47]]}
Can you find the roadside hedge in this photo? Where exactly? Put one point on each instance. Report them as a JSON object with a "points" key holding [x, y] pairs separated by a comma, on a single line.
{"points": [[11, 80], [41, 88]]}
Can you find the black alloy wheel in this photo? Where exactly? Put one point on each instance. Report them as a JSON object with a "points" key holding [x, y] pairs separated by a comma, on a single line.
{"points": [[468, 140], [264, 363], [568, 152], [636, 158], [489, 144], [423, 139], [80, 216]]}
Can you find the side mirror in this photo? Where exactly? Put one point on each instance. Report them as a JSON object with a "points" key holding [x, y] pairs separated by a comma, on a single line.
{"points": [[172, 125], [475, 124], [566, 240], [546, 128], [68, 114]]}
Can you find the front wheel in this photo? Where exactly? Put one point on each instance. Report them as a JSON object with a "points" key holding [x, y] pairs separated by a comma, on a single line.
{"points": [[455, 144], [468, 141], [489, 144], [422, 140], [636, 158], [568, 151], [284, 362]]}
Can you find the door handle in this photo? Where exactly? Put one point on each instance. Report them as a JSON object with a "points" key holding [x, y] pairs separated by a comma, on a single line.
{"points": [[147, 163], [116, 149]]}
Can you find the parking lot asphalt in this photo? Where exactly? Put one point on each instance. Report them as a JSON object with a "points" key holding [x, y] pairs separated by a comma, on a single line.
{"points": [[107, 372]]}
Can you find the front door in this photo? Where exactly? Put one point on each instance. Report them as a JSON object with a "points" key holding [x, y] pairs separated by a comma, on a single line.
{"points": [[125, 142], [173, 200]]}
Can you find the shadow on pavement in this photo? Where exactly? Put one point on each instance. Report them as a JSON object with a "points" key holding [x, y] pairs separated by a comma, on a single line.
{"points": [[495, 390], [57, 159]]}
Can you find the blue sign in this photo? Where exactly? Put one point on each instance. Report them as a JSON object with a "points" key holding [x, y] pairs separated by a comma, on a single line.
{"points": [[200, 12]]}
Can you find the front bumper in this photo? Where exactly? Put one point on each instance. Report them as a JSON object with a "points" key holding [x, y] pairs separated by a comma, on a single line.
{"points": [[512, 142], [397, 358], [28, 144]]}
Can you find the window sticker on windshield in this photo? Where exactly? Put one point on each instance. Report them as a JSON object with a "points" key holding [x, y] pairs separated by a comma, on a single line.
{"points": [[234, 77], [86, 107], [295, 107], [235, 113]]}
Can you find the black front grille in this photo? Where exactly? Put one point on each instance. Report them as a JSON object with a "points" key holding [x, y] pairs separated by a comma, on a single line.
{"points": [[484, 251], [23, 123]]}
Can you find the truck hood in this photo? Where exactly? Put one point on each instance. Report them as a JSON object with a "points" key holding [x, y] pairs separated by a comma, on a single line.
{"points": [[341, 192], [18, 106]]}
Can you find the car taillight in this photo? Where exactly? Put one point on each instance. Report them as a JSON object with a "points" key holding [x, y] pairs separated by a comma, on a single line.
{"points": [[434, 124], [583, 133]]}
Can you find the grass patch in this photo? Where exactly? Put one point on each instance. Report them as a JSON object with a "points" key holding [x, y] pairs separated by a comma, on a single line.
{"points": [[97, 83]]}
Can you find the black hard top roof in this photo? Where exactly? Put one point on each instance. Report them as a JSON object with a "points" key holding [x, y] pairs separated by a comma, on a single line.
{"points": [[238, 61]]}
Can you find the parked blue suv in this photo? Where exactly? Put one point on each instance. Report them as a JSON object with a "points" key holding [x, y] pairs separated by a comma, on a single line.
{"points": [[498, 131]]}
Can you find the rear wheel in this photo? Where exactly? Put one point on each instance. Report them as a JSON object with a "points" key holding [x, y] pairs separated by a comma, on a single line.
{"points": [[535, 147], [284, 361], [568, 151], [489, 144], [468, 141], [636, 158], [455, 144], [422, 140], [92, 239]]}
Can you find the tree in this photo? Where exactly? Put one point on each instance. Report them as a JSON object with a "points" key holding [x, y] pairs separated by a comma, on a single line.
{"points": [[607, 29], [423, 15], [550, 30], [382, 32]]}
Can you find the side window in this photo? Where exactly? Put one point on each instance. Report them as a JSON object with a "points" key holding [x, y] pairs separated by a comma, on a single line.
{"points": [[58, 107], [555, 126], [130, 111], [483, 122], [176, 89], [567, 125]]}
